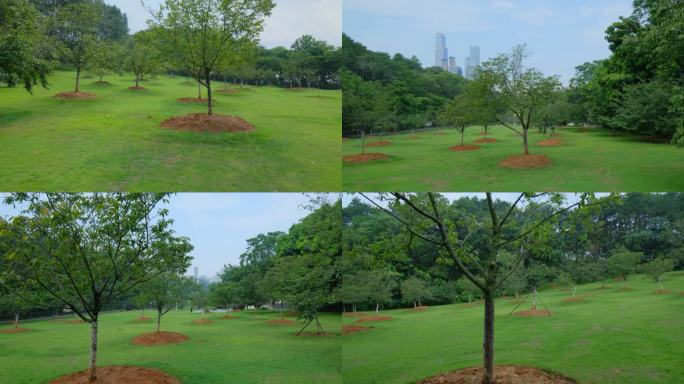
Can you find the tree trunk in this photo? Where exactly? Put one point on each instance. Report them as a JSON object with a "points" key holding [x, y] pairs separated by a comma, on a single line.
{"points": [[462, 134], [488, 344], [16, 320], [377, 308], [574, 290], [78, 79], [534, 299], [92, 377], [199, 90], [159, 315], [209, 102], [101, 76], [414, 304], [660, 282], [525, 144], [363, 142], [282, 315]]}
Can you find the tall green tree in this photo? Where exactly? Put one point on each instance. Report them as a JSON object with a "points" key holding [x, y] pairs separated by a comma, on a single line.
{"points": [[656, 269], [168, 288]]}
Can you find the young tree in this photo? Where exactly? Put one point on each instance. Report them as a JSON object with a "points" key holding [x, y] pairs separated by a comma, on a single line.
{"points": [[107, 59], [168, 288], [566, 280], [142, 301], [75, 26], [414, 290], [88, 249], [351, 291], [623, 263], [523, 93], [379, 286], [656, 268], [468, 289], [458, 114], [425, 215], [143, 55], [207, 34]]}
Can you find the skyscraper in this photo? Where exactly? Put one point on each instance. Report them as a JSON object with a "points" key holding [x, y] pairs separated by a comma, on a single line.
{"points": [[467, 67], [441, 53], [472, 62]]}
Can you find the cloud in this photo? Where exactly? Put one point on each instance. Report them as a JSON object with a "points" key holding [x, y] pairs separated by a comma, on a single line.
{"points": [[293, 18]]}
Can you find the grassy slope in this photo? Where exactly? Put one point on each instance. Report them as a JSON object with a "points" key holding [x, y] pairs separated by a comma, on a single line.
{"points": [[114, 142], [613, 337], [244, 350], [589, 161]]}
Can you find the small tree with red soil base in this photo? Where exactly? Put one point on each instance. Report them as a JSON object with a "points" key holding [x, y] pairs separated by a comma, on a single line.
{"points": [[656, 269]]}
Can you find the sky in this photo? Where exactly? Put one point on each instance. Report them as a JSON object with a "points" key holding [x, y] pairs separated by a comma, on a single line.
{"points": [[218, 225], [560, 34], [290, 20]]}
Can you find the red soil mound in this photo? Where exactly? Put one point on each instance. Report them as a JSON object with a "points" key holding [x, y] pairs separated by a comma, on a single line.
{"points": [[291, 314], [282, 322], [366, 319], [525, 162], [193, 100], [137, 88], [77, 321], [364, 158], [486, 141], [316, 334], [227, 317], [155, 338], [378, 143], [203, 321], [14, 330], [464, 148], [662, 292], [200, 122], [142, 319], [550, 143], [119, 374], [354, 314], [419, 309], [681, 293], [74, 95], [573, 299], [347, 329], [533, 313], [508, 374], [413, 137]]}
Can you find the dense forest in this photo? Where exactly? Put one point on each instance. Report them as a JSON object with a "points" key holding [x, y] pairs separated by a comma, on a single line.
{"points": [[638, 89], [384, 263]]}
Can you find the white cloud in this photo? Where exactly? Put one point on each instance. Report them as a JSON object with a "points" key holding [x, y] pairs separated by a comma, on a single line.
{"points": [[293, 18]]}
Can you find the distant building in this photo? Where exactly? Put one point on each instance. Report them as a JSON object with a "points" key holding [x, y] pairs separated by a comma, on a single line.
{"points": [[472, 62], [441, 52], [467, 67]]}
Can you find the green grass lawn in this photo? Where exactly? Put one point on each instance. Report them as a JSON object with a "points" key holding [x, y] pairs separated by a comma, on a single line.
{"points": [[588, 161], [611, 337], [243, 350], [114, 142]]}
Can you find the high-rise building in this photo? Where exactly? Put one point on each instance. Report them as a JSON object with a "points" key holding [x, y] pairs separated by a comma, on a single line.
{"points": [[472, 62], [441, 52], [467, 67]]}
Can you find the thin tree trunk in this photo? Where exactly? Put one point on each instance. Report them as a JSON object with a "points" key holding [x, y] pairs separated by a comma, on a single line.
{"points": [[92, 377], [462, 134], [16, 320], [137, 81], [209, 101], [414, 304], [101, 76], [78, 78], [282, 315], [574, 291], [377, 308], [363, 142], [659, 282], [525, 144], [303, 328], [488, 344], [159, 315]]}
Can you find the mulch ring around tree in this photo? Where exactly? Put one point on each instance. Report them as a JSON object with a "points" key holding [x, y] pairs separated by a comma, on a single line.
{"points": [[525, 162], [378, 143], [347, 329], [200, 122], [14, 330], [119, 374], [282, 322], [319, 334], [550, 143], [464, 148], [195, 100], [533, 313], [202, 321], [419, 309], [354, 314], [227, 317], [509, 374], [662, 292], [367, 319], [74, 95], [364, 157], [137, 88], [486, 141], [160, 338]]}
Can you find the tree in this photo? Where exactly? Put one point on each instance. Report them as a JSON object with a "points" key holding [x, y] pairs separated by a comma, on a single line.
{"points": [[168, 288], [623, 263], [143, 55], [468, 289], [107, 59], [521, 92], [351, 291], [208, 34], [22, 44], [379, 285], [414, 290], [86, 250], [424, 215], [76, 26], [656, 268], [458, 114]]}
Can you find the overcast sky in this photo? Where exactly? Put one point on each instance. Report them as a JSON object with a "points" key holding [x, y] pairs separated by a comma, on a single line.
{"points": [[561, 34], [290, 19], [219, 224]]}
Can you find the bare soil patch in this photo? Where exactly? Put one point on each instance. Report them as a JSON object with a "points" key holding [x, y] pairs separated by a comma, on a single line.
{"points": [[525, 162], [413, 137], [662, 292], [378, 143], [681, 293], [307, 334], [74, 95], [228, 317], [464, 148], [354, 314], [116, 374], [419, 309], [486, 141], [572, 299], [137, 88], [503, 374], [77, 321], [200, 122], [550, 143], [282, 322], [364, 158], [367, 319], [291, 314], [160, 338], [203, 321], [347, 329], [533, 313], [191, 100], [15, 330], [142, 319]]}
